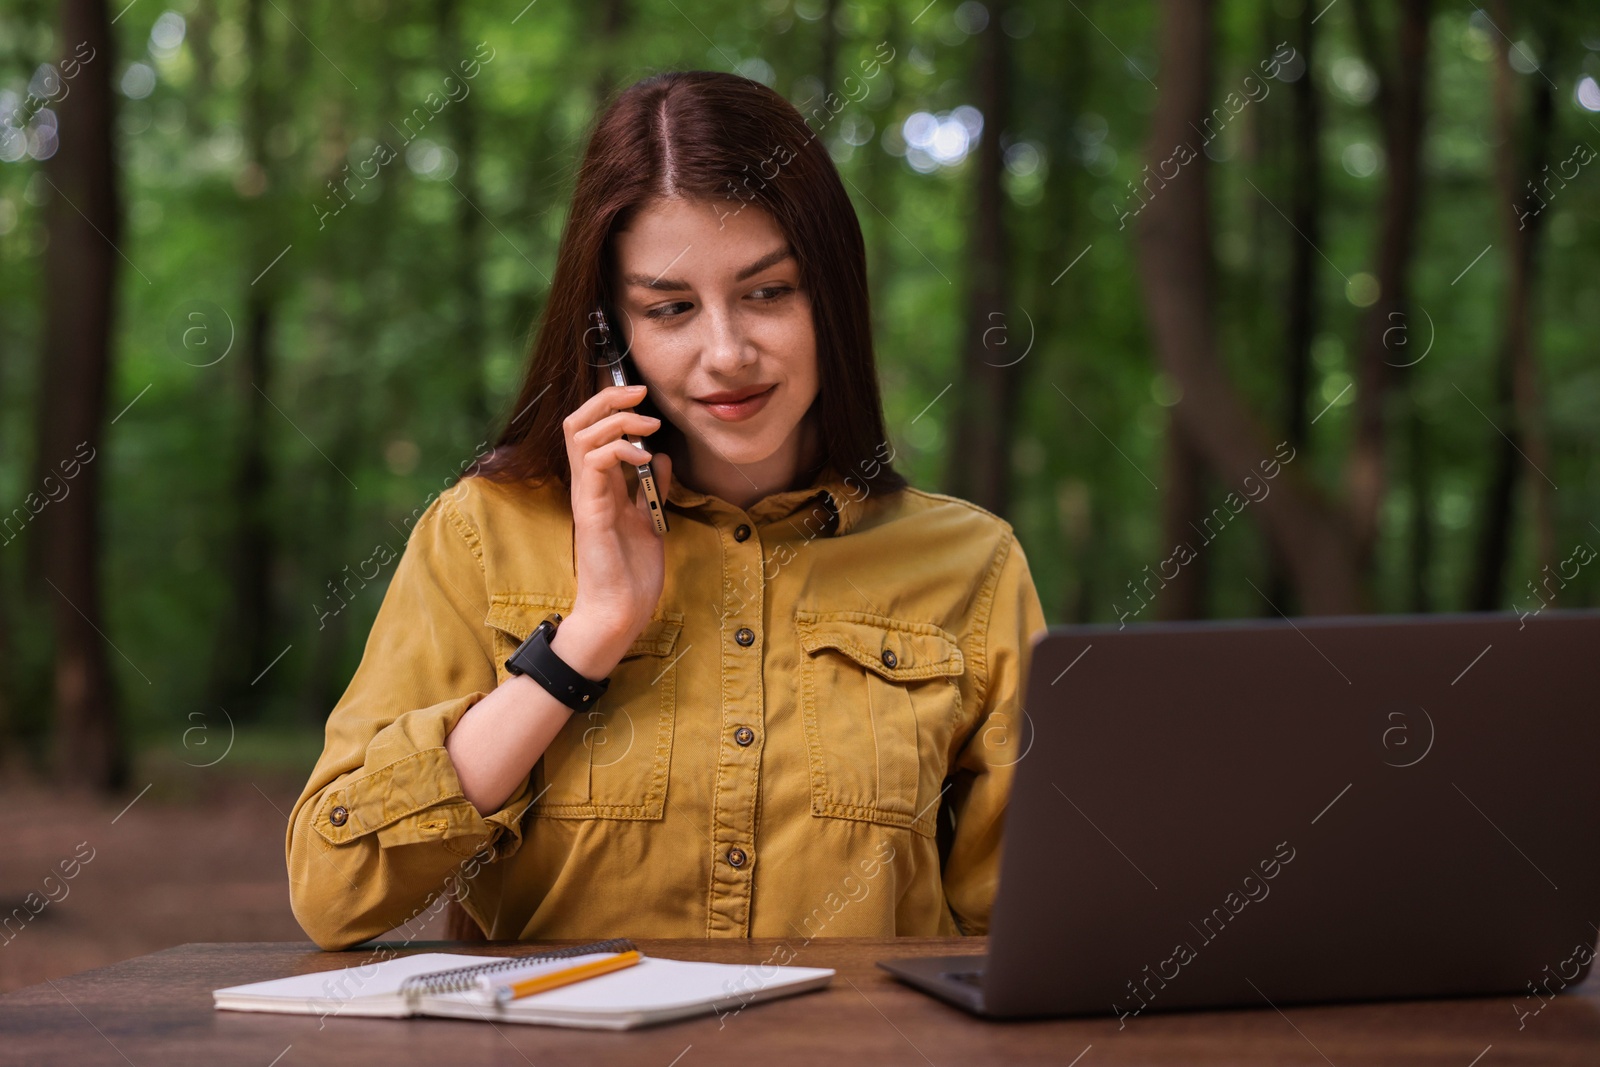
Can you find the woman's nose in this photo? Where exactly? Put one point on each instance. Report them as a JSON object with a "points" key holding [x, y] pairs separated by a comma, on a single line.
{"points": [[726, 348]]}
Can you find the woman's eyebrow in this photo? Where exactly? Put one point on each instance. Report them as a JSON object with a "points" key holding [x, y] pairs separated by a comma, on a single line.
{"points": [[677, 285]]}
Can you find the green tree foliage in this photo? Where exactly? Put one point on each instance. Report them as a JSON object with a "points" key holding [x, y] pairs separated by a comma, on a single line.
{"points": [[301, 186]]}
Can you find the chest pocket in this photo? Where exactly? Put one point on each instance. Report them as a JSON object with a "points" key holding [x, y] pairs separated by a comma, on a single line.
{"points": [[611, 761], [880, 702]]}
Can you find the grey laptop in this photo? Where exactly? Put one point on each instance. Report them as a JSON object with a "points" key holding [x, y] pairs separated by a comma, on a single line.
{"points": [[1275, 812]]}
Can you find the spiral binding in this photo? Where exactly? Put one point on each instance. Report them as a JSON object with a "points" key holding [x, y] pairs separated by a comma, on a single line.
{"points": [[460, 979]]}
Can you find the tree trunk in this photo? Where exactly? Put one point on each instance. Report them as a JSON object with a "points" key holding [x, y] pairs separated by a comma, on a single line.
{"points": [[878, 173], [1305, 212], [614, 18], [828, 59], [469, 349], [330, 334], [1518, 169], [335, 335], [81, 266], [991, 375], [9, 731], [1183, 505], [1174, 239], [1305, 209], [1401, 107], [1417, 460], [242, 650], [200, 25]]}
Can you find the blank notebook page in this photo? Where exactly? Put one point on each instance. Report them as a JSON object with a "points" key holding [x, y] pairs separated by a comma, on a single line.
{"points": [[653, 984]]}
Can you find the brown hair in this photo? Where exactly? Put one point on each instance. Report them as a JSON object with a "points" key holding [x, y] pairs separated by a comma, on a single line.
{"points": [[703, 135]]}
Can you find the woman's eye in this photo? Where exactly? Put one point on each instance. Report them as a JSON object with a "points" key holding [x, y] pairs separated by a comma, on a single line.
{"points": [[662, 312], [776, 291]]}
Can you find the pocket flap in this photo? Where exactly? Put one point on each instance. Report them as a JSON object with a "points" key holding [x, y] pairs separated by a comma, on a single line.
{"points": [[517, 614], [897, 649], [658, 638]]}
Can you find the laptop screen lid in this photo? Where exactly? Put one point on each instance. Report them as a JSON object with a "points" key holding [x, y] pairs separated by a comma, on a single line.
{"points": [[1270, 812]]}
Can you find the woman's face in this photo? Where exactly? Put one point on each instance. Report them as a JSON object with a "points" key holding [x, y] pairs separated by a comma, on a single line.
{"points": [[711, 303]]}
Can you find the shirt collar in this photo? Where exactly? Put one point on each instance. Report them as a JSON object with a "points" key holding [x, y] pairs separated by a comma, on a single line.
{"points": [[824, 494]]}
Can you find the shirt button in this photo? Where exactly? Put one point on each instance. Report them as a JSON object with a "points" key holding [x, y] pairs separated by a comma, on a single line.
{"points": [[745, 636], [339, 815], [736, 857], [741, 532], [744, 735], [889, 658]]}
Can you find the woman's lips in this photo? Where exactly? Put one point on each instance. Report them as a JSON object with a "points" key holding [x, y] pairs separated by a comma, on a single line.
{"points": [[741, 410]]}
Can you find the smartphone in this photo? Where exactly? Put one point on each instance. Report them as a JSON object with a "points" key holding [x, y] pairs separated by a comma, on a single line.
{"points": [[606, 341]]}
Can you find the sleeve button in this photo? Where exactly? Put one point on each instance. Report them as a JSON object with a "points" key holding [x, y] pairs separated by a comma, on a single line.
{"points": [[339, 815]]}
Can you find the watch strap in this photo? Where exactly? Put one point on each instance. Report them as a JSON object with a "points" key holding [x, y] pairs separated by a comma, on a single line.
{"points": [[536, 659]]}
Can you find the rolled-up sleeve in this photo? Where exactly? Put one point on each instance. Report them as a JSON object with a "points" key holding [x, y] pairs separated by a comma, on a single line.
{"points": [[984, 769], [382, 828]]}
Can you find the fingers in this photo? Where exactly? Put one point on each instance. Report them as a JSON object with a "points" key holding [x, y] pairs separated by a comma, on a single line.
{"points": [[598, 451], [601, 404], [615, 454], [613, 427]]}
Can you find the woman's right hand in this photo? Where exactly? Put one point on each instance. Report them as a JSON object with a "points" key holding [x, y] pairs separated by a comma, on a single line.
{"points": [[620, 559]]}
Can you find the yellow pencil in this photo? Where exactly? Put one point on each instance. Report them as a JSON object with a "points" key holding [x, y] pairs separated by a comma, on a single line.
{"points": [[539, 984]]}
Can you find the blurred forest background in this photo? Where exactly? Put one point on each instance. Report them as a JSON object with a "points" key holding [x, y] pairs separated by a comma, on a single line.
{"points": [[1232, 309]]}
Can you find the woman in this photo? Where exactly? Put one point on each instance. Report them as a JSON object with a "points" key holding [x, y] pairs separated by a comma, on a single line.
{"points": [[811, 681]]}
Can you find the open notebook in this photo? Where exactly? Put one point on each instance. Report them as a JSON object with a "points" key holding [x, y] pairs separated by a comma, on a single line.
{"points": [[447, 984]]}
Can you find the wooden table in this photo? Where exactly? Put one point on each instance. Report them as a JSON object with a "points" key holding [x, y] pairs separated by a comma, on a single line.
{"points": [[157, 1010]]}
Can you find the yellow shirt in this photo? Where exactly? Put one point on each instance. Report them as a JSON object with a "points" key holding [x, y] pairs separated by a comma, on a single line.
{"points": [[771, 757]]}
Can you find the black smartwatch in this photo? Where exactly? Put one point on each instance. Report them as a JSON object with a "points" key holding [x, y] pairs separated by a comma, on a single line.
{"points": [[535, 658]]}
